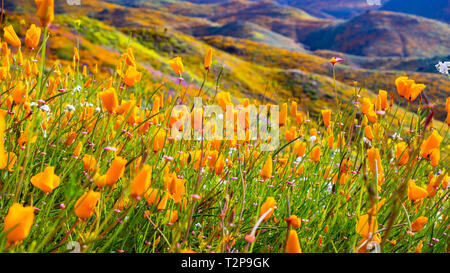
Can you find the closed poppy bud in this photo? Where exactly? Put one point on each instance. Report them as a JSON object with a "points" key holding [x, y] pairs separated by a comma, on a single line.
{"points": [[269, 204], [46, 180], [32, 37], [330, 141], [419, 247], [218, 168], [373, 155], [89, 163], [85, 205], [172, 216], [283, 115], [132, 76], [18, 222], [266, 171], [368, 133], [130, 60], [116, 170], [141, 182], [402, 154], [299, 118], [78, 148], [293, 109], [11, 37], [326, 116], [299, 148], [294, 221], [45, 11], [109, 100], [208, 59], [418, 224], [158, 141], [177, 65], [315, 154], [299, 170], [292, 244], [382, 99], [415, 192]]}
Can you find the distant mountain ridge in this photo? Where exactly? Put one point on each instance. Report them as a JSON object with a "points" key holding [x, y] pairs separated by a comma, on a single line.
{"points": [[384, 34]]}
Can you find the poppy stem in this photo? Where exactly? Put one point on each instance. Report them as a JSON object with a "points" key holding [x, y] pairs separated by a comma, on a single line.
{"points": [[70, 231]]}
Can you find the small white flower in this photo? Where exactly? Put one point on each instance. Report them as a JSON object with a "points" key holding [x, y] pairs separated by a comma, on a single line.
{"points": [[45, 108], [77, 88], [313, 138], [33, 104], [443, 67], [70, 108], [98, 109]]}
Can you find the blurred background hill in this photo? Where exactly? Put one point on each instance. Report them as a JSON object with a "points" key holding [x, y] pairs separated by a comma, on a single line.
{"points": [[268, 49]]}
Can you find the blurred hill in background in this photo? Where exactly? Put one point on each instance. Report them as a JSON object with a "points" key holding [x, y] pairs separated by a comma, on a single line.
{"points": [[268, 50]]}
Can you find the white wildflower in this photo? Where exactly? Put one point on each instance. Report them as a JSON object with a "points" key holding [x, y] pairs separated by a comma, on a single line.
{"points": [[443, 67]]}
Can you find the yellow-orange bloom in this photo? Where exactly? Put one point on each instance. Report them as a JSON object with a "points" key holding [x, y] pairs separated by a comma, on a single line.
{"points": [[292, 244], [415, 192], [418, 224], [430, 148], [326, 116], [266, 171], [224, 99], [157, 197], [45, 11], [85, 205], [366, 224], [132, 76], [89, 163], [294, 221], [175, 186], [18, 222], [11, 37], [269, 204], [116, 170], [109, 99], [32, 37], [177, 65], [141, 182], [408, 88], [47, 180], [20, 93]]}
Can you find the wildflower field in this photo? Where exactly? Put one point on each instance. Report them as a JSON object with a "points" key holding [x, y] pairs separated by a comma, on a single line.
{"points": [[89, 162]]}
